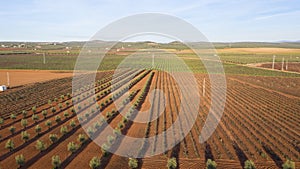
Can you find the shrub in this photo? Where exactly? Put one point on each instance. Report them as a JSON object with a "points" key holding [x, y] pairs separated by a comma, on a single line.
{"points": [[66, 114], [288, 165], [73, 111], [12, 129], [57, 119], [108, 114], [41, 146], [110, 139], [60, 106], [10, 145], [95, 163], [210, 164], [50, 102], [45, 113], [172, 163], [55, 99], [20, 160], [133, 163], [1, 121], [72, 147], [24, 113], [25, 136], [13, 116], [64, 130], [67, 103], [48, 123], [117, 132], [34, 109], [56, 161], [120, 125], [24, 123], [72, 123], [53, 138], [82, 138], [97, 126], [38, 129], [53, 110], [249, 164], [87, 115], [80, 118], [90, 131], [35, 117], [104, 149]]}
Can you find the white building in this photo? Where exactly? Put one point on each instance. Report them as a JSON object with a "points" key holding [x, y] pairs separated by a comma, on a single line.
{"points": [[3, 88]]}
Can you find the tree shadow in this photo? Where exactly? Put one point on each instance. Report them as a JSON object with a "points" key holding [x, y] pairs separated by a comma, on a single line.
{"points": [[208, 152], [278, 161], [240, 153]]}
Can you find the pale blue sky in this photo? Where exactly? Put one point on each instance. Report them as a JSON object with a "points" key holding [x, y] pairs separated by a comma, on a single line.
{"points": [[218, 20]]}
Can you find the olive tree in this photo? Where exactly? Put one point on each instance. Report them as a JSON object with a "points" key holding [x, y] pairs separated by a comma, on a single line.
{"points": [[12, 129], [210, 164], [172, 163], [40, 145], [95, 163], [72, 147], [20, 160], [10, 145], [288, 165], [56, 162], [133, 163], [25, 136], [38, 129], [249, 165], [24, 123]]}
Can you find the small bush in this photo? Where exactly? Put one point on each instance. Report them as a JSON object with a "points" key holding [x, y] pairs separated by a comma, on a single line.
{"points": [[57, 119], [41, 146], [38, 129], [288, 165], [95, 163], [20, 160], [12, 129], [10, 145], [63, 130], [53, 110], [73, 123], [56, 162], [172, 163], [25, 136], [34, 109], [210, 164], [72, 147], [35, 117], [1, 121], [13, 116], [24, 123], [44, 113], [48, 123], [53, 138], [24, 113], [133, 163], [90, 131], [66, 114], [82, 138], [249, 165]]}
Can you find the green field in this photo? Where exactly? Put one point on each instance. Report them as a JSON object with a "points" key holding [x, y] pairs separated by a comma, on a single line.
{"points": [[63, 56]]}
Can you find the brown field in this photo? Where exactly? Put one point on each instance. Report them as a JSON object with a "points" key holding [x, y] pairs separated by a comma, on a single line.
{"points": [[293, 66], [22, 77], [263, 129]]}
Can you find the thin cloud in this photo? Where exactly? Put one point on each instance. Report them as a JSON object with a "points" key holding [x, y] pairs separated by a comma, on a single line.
{"points": [[276, 15]]}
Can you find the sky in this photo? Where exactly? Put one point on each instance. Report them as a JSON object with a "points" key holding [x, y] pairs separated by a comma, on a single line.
{"points": [[218, 20]]}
